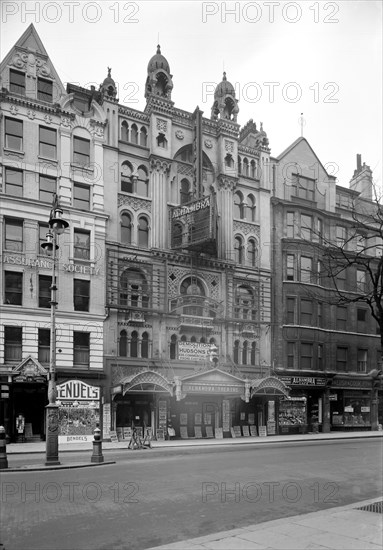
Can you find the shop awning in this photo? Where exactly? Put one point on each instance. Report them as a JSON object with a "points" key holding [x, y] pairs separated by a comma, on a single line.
{"points": [[145, 382], [271, 385]]}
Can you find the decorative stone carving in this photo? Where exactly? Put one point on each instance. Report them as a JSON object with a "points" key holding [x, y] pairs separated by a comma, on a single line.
{"points": [[48, 119], [20, 60], [180, 135], [162, 125], [229, 146], [246, 228], [65, 121], [226, 182], [159, 165], [14, 109], [184, 169], [208, 143], [134, 203], [31, 114]]}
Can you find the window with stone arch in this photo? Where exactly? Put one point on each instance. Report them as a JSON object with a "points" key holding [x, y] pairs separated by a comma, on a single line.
{"points": [[229, 161], [123, 344], [252, 252], [236, 352], [126, 228], [238, 250], [143, 231], [124, 131], [253, 354], [185, 195], [239, 165], [245, 170], [195, 291], [143, 136], [134, 289], [126, 177], [245, 303], [250, 208], [142, 182], [134, 344], [173, 346], [238, 206], [244, 352], [134, 134], [253, 169], [145, 345]]}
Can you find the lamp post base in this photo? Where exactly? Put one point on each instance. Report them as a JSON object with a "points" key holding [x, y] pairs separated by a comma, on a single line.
{"points": [[52, 439]]}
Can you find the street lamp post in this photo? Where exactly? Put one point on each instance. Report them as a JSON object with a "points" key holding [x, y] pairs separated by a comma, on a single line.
{"points": [[57, 226]]}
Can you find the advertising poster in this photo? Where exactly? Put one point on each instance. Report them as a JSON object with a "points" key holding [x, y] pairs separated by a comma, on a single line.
{"points": [[79, 411]]}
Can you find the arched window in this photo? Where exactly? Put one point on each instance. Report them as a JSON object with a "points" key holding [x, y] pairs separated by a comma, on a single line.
{"points": [[252, 252], [124, 131], [252, 355], [239, 165], [229, 162], [142, 182], [126, 177], [245, 167], [238, 248], [202, 340], [253, 169], [183, 338], [145, 345], [244, 353], [244, 303], [162, 141], [250, 211], [143, 137], [236, 352], [173, 346], [194, 290], [193, 339], [123, 344], [238, 206], [126, 228], [133, 289], [212, 341], [134, 344], [143, 232], [184, 191], [134, 134]]}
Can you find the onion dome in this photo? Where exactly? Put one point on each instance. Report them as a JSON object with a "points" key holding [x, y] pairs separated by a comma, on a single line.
{"points": [[224, 88], [158, 61]]}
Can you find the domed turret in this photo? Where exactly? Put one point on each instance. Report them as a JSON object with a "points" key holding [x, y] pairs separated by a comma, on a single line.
{"points": [[224, 88], [225, 103], [108, 87], [159, 81], [158, 61]]}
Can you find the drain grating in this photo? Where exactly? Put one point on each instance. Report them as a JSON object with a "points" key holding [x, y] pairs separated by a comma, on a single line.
{"points": [[376, 507]]}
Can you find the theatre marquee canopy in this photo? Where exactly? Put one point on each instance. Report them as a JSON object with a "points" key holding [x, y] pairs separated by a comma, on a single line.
{"points": [[212, 382], [271, 385], [142, 382]]}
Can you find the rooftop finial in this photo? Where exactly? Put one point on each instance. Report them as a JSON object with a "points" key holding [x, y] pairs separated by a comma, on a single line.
{"points": [[109, 71], [158, 48], [224, 76]]}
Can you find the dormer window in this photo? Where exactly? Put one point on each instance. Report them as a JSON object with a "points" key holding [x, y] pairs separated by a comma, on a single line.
{"points": [[17, 82]]}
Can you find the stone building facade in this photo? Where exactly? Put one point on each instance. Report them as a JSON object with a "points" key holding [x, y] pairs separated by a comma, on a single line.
{"points": [[50, 145]]}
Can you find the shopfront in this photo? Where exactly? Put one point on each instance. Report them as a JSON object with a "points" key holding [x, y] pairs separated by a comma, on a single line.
{"points": [[26, 397], [141, 401], [208, 404], [350, 403]]}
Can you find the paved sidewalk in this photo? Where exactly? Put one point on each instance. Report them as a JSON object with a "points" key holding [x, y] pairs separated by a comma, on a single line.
{"points": [[345, 527], [39, 447]]}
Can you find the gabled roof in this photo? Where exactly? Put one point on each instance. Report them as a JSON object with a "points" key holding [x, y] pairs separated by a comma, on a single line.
{"points": [[31, 42], [295, 144]]}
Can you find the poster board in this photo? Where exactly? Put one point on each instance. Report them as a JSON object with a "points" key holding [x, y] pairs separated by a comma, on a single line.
{"points": [[253, 431], [120, 433], [245, 431], [271, 428], [106, 420], [113, 435], [232, 432], [198, 418], [160, 434], [251, 418], [184, 432], [237, 431], [209, 432], [262, 431], [219, 433], [183, 419], [162, 414], [127, 433], [198, 432], [28, 430]]}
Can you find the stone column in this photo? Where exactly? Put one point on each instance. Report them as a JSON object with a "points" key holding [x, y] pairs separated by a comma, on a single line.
{"points": [[226, 186], [159, 171]]}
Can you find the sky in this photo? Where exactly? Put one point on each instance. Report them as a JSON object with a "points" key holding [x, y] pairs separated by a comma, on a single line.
{"points": [[322, 59]]}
